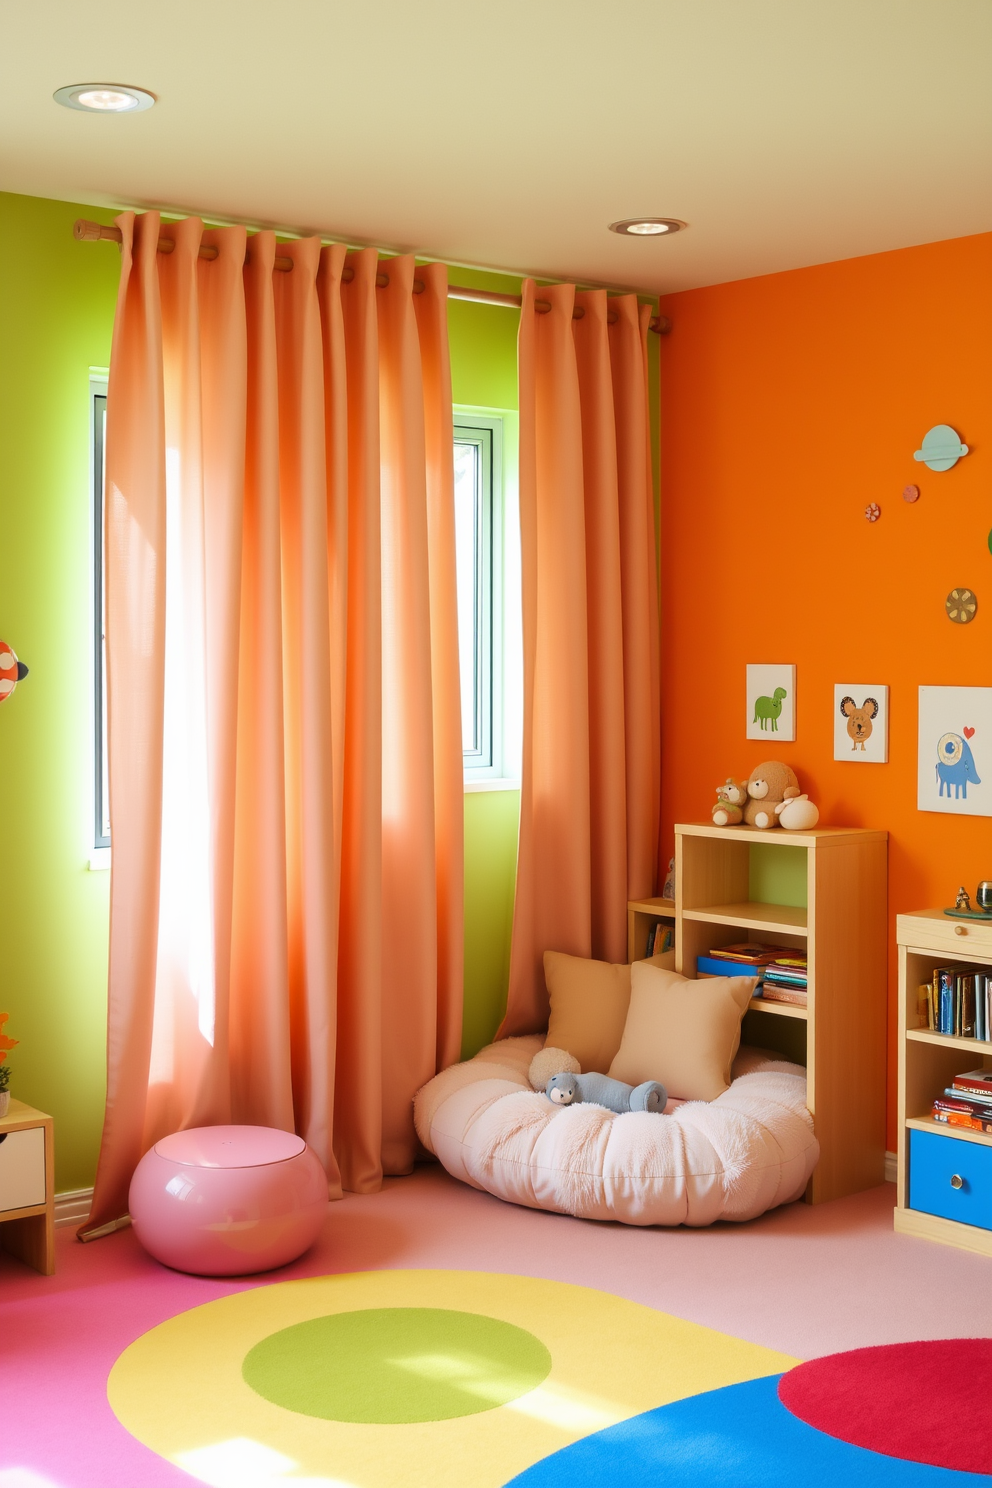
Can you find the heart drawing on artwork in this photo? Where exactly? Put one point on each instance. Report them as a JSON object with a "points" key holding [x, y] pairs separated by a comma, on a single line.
{"points": [[968, 733]]}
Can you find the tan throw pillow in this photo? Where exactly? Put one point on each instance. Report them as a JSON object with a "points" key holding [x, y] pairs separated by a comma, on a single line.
{"points": [[588, 1006], [681, 1032]]}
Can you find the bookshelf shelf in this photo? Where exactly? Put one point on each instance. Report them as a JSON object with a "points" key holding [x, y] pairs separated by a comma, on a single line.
{"points": [[783, 918], [948, 1040], [929, 1061], [956, 1133], [840, 1034], [778, 1009]]}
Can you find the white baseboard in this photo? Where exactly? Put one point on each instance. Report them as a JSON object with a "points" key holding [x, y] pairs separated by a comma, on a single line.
{"points": [[891, 1167], [72, 1208]]}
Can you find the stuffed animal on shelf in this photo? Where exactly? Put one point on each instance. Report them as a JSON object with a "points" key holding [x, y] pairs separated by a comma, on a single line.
{"points": [[797, 814], [548, 1062], [599, 1090], [730, 802], [769, 785]]}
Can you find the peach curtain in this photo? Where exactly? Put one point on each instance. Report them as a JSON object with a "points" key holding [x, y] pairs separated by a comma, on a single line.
{"points": [[591, 779], [284, 719]]}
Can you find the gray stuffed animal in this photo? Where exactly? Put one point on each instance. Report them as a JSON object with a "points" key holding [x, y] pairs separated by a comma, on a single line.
{"points": [[567, 1090]]}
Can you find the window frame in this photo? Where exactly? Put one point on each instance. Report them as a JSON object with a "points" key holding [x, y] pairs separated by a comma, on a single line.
{"points": [[484, 432], [100, 846]]}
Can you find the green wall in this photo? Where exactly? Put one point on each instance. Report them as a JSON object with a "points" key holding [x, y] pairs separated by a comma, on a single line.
{"points": [[56, 313], [483, 342]]}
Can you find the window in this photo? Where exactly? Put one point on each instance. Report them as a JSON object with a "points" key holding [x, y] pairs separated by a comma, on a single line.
{"points": [[101, 792], [478, 553], [487, 555]]}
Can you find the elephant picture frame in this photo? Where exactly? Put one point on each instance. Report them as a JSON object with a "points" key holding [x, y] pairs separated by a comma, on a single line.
{"points": [[955, 750]]}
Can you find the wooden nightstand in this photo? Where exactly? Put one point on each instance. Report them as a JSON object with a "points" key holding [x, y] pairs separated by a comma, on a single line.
{"points": [[27, 1186]]}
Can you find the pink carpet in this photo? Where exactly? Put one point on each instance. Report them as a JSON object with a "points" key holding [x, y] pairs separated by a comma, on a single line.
{"points": [[807, 1281]]}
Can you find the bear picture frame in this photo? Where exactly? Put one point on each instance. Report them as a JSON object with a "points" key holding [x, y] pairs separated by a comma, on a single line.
{"points": [[861, 723], [954, 763], [771, 702]]}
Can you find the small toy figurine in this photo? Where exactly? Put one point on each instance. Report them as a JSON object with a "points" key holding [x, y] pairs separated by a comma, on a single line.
{"points": [[730, 802], [962, 901]]}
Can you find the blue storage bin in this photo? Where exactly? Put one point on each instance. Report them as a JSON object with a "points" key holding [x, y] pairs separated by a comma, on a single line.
{"points": [[951, 1178]]}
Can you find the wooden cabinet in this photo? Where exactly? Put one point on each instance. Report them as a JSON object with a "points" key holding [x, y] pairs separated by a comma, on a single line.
{"points": [[945, 1172], [27, 1186], [841, 928]]}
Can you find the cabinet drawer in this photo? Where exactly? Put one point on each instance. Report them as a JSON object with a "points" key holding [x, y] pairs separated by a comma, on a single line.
{"points": [[22, 1169], [950, 1178]]}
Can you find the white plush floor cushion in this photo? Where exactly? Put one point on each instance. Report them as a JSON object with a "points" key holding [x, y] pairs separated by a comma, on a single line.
{"points": [[732, 1158]]}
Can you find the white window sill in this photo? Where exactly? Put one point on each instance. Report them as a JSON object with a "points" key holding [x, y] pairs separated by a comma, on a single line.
{"points": [[502, 783], [100, 860]]}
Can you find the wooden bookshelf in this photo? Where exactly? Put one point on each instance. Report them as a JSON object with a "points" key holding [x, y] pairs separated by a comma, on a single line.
{"points": [[642, 916], [929, 1061], [840, 1034]]}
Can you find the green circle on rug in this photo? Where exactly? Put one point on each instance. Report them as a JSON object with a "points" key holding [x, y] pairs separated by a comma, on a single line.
{"points": [[396, 1365]]}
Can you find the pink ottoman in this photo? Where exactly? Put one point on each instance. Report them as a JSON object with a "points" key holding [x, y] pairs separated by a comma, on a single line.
{"points": [[226, 1200]]}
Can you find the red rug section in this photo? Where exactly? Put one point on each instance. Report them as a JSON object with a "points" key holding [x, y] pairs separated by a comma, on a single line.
{"points": [[926, 1402]]}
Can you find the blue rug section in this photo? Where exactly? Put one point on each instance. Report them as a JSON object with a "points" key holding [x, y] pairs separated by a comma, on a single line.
{"points": [[739, 1437]]}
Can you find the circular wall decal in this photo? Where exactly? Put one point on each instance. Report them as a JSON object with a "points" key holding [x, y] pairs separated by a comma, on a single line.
{"points": [[961, 606], [911, 493], [873, 511]]}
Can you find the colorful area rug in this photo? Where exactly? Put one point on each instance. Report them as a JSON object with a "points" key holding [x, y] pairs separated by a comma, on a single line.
{"points": [[432, 1379]]}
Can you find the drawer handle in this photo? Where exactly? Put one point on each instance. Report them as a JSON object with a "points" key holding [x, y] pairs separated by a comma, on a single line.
{"points": [[960, 929], [957, 1181]]}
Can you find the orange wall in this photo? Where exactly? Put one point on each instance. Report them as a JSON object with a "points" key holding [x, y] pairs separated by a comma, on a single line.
{"points": [[789, 403]]}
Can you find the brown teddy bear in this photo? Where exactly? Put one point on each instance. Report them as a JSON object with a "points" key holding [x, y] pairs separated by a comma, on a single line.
{"points": [[730, 802], [768, 785]]}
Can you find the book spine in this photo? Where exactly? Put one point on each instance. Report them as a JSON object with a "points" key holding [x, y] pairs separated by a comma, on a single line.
{"points": [[947, 981], [780, 994], [962, 1118], [969, 1082], [967, 1005]]}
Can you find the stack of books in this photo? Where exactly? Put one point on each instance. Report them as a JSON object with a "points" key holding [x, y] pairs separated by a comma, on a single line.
{"points": [[785, 980], [958, 1001], [967, 1102], [661, 937], [749, 958]]}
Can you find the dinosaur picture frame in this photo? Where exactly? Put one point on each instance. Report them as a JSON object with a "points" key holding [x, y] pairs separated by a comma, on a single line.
{"points": [[771, 702], [861, 723], [954, 764]]}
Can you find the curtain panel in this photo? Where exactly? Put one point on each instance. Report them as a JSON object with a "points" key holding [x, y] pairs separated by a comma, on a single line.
{"points": [[283, 692], [591, 776]]}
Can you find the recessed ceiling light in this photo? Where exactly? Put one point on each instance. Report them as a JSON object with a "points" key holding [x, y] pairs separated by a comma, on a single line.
{"points": [[104, 98], [647, 227]]}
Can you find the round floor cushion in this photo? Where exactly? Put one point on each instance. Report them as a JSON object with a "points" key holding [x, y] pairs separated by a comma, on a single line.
{"points": [[731, 1158], [228, 1200]]}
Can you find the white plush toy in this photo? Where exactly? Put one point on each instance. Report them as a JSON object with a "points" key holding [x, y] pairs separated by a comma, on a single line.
{"points": [[797, 814]]}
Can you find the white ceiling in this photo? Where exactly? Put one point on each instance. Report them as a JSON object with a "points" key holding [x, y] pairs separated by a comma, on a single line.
{"points": [[785, 132]]}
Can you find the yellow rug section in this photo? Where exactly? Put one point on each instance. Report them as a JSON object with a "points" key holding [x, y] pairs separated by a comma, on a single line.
{"points": [[179, 1388]]}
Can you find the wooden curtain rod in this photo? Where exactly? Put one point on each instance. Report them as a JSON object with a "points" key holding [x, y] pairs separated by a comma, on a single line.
{"points": [[95, 232]]}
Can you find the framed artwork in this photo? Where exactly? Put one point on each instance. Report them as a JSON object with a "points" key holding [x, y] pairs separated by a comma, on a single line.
{"points": [[771, 702], [955, 750], [861, 722]]}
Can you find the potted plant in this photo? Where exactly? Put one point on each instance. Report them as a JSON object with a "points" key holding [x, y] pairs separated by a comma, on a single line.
{"points": [[6, 1044]]}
